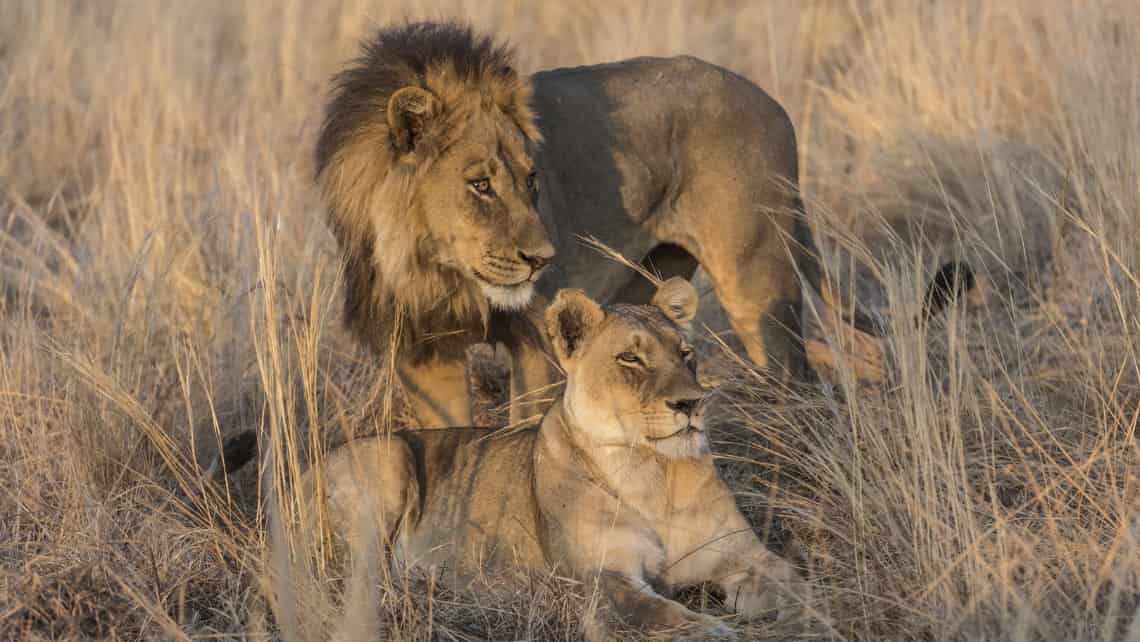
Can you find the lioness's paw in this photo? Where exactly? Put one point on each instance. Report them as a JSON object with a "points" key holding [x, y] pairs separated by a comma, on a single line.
{"points": [[711, 628], [792, 600], [778, 591], [694, 626]]}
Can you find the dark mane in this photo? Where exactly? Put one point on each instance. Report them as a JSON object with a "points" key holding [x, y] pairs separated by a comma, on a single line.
{"points": [[369, 194], [398, 57]]}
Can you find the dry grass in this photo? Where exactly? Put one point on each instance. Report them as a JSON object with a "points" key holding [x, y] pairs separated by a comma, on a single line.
{"points": [[166, 280]]}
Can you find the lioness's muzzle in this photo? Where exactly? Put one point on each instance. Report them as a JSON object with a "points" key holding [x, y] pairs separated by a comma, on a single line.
{"points": [[687, 430]]}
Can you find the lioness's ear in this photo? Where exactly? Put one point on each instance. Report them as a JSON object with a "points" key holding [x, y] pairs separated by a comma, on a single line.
{"points": [[570, 320], [409, 110], [677, 298]]}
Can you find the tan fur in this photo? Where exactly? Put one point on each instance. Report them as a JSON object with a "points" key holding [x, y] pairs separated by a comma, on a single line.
{"points": [[616, 487]]}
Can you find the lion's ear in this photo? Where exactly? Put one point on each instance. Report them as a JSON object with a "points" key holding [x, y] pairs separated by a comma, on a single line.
{"points": [[570, 320], [677, 298], [409, 111]]}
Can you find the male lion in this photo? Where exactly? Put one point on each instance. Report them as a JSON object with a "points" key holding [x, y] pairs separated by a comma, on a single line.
{"points": [[616, 487], [451, 180]]}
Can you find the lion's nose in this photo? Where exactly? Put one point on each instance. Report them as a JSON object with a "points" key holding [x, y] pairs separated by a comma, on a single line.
{"points": [[537, 261], [686, 406]]}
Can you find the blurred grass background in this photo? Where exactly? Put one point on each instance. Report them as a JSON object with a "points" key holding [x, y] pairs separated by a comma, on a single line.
{"points": [[166, 280]]}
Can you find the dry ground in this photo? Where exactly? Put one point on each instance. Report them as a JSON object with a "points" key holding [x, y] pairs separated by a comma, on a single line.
{"points": [[166, 279]]}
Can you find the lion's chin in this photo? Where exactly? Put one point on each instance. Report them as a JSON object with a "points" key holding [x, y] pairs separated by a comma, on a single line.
{"points": [[509, 298]]}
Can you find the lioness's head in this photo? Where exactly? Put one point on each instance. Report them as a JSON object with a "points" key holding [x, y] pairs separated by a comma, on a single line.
{"points": [[426, 161], [630, 371]]}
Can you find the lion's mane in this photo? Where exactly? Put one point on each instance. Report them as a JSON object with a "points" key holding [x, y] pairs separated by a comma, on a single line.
{"points": [[391, 280]]}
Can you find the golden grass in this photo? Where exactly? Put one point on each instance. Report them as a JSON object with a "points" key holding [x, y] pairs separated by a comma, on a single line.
{"points": [[166, 280]]}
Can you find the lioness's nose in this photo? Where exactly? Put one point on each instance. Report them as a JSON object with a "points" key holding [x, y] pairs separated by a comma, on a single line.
{"points": [[686, 406], [539, 259]]}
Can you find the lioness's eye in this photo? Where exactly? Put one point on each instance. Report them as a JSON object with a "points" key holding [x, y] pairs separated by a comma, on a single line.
{"points": [[482, 186], [686, 353], [629, 357], [532, 181]]}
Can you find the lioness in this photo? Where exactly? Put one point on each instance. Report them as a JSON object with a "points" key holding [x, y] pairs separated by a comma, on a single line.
{"points": [[616, 486], [451, 180]]}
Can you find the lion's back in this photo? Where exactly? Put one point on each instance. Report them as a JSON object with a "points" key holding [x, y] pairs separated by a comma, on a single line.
{"points": [[651, 88]]}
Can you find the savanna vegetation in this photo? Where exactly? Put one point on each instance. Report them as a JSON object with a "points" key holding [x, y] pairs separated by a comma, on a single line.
{"points": [[167, 281]]}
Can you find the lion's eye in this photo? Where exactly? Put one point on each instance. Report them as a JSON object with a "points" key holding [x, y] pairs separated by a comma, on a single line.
{"points": [[689, 359], [482, 186], [629, 358], [532, 181]]}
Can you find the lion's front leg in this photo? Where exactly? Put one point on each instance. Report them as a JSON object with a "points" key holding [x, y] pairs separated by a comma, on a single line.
{"points": [[533, 379], [438, 391], [534, 374]]}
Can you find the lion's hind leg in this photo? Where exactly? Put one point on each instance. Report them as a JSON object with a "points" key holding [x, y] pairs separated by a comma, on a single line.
{"points": [[666, 260]]}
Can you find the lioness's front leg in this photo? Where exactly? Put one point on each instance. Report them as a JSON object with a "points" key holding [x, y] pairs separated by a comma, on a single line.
{"points": [[711, 541], [438, 391], [755, 580]]}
